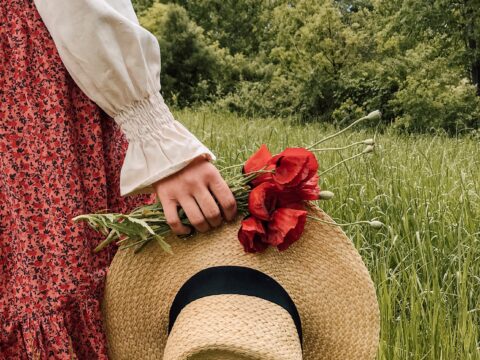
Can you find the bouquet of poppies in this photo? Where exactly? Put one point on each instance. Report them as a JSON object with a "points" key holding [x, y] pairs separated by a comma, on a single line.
{"points": [[276, 208], [270, 191]]}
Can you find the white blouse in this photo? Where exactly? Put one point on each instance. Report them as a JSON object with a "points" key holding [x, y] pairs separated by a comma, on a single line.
{"points": [[116, 63]]}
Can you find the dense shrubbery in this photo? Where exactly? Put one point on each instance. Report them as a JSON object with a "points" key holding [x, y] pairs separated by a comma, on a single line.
{"points": [[323, 59], [194, 67]]}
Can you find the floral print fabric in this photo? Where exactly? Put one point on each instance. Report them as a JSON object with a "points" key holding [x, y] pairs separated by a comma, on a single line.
{"points": [[60, 156]]}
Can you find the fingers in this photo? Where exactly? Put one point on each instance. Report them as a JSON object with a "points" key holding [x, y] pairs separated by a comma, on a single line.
{"points": [[173, 220], [194, 214], [209, 207], [224, 196], [195, 188]]}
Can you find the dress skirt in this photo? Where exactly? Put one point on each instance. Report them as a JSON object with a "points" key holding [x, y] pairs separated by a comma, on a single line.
{"points": [[60, 156]]}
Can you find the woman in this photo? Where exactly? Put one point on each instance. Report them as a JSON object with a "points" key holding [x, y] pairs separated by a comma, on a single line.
{"points": [[78, 79]]}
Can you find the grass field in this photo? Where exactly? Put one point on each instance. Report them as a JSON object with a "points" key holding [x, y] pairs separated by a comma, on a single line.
{"points": [[425, 262]]}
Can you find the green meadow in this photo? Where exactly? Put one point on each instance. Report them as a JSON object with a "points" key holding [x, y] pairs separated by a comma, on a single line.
{"points": [[425, 261]]}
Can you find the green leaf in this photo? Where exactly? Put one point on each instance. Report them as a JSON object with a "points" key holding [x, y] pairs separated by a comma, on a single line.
{"points": [[142, 223], [163, 244]]}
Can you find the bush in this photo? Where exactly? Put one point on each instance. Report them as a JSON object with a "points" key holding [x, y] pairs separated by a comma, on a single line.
{"points": [[435, 96]]}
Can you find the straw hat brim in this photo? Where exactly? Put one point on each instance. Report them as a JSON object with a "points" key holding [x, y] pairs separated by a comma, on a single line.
{"points": [[322, 272]]}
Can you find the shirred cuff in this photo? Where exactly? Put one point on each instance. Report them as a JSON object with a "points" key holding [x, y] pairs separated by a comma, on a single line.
{"points": [[158, 145], [144, 118]]}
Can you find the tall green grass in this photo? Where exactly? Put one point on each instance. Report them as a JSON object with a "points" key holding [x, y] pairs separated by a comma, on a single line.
{"points": [[425, 262]]}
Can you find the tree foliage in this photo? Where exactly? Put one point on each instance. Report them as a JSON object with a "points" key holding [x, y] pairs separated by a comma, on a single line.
{"points": [[324, 59]]}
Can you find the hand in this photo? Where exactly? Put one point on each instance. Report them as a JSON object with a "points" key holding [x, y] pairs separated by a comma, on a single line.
{"points": [[192, 189]]}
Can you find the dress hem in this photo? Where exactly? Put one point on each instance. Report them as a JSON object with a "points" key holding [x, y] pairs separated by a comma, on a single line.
{"points": [[52, 335]]}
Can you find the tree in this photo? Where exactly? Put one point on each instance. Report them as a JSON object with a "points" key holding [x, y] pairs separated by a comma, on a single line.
{"points": [[236, 25], [457, 22], [190, 61], [324, 60]]}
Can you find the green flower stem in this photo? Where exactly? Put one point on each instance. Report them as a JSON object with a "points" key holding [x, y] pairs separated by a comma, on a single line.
{"points": [[336, 224], [340, 163], [338, 132], [339, 148], [230, 167], [110, 238]]}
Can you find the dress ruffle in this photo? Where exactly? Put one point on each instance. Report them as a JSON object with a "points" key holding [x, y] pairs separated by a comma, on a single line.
{"points": [[50, 336]]}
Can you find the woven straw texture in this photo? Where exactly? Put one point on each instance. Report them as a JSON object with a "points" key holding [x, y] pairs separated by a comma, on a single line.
{"points": [[322, 272], [244, 327]]}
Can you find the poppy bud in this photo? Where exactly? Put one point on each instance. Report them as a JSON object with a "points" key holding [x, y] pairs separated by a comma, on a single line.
{"points": [[368, 149], [326, 195], [369, 142], [374, 115], [376, 224]]}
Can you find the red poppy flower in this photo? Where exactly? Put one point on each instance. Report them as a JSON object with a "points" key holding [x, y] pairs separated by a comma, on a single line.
{"points": [[310, 190], [262, 200], [294, 167], [252, 235], [307, 191], [285, 227], [258, 161]]}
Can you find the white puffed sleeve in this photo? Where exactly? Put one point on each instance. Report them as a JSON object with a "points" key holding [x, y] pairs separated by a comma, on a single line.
{"points": [[116, 63]]}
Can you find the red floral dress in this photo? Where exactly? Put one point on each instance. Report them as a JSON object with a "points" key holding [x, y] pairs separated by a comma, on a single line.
{"points": [[60, 156]]}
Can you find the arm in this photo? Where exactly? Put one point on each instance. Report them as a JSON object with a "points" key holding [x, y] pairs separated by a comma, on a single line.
{"points": [[116, 63]]}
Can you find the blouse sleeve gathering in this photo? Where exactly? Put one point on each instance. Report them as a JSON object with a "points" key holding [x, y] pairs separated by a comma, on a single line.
{"points": [[116, 63]]}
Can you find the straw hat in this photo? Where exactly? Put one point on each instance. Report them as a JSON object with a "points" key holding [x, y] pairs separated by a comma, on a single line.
{"points": [[211, 300]]}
